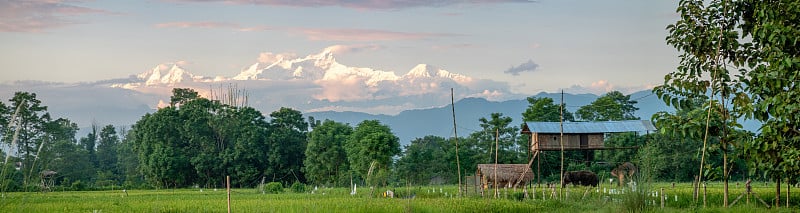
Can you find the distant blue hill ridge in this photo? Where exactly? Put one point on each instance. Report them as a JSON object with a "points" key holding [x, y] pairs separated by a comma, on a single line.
{"points": [[411, 124]]}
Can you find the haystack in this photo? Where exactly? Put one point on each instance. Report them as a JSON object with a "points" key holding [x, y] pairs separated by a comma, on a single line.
{"points": [[507, 174]]}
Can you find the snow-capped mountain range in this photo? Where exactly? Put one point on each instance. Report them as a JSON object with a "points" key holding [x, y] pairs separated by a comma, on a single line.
{"points": [[321, 67]]}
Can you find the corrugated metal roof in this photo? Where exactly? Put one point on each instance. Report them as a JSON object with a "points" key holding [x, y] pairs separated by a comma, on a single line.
{"points": [[593, 127]]}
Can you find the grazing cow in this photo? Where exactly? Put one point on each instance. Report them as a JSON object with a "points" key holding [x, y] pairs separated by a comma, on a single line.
{"points": [[584, 178]]}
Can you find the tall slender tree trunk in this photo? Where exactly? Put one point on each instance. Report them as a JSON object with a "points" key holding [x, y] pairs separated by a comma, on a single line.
{"points": [[725, 178]]}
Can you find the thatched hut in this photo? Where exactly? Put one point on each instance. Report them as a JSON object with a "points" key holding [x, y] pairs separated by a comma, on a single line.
{"points": [[507, 175]]}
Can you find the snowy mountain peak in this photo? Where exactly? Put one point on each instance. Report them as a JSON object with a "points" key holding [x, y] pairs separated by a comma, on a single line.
{"points": [[251, 73], [423, 71], [429, 71], [324, 59], [168, 74]]}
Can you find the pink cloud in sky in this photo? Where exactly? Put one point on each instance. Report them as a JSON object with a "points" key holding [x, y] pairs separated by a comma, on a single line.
{"points": [[38, 16], [316, 34], [360, 4], [344, 49], [269, 58], [201, 24]]}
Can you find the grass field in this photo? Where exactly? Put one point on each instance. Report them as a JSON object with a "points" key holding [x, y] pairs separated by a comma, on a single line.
{"points": [[426, 199]]}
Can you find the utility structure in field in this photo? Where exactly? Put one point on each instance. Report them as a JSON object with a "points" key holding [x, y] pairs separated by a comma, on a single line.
{"points": [[584, 136]]}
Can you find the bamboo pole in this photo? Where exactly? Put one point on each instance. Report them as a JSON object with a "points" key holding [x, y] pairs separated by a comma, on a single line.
{"points": [[455, 132], [561, 139], [496, 146], [228, 186]]}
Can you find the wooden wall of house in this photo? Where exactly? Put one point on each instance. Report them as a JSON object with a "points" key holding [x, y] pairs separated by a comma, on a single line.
{"points": [[571, 141]]}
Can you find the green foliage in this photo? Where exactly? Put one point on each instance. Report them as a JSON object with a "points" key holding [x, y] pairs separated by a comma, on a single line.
{"points": [[427, 159], [371, 142], [707, 35], [287, 145], [543, 109], [77, 186], [273, 188], [666, 158], [200, 141], [618, 156], [773, 84], [298, 187], [181, 96], [613, 106], [326, 159], [510, 147]]}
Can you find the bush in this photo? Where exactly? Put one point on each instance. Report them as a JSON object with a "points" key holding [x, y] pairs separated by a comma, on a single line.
{"points": [[298, 187], [78, 186], [273, 188]]}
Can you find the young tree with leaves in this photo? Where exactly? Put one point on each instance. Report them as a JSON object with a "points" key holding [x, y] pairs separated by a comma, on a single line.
{"points": [[613, 106], [370, 150], [287, 145], [707, 37], [773, 82], [326, 159]]}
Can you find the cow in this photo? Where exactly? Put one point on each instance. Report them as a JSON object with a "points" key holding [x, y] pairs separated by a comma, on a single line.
{"points": [[584, 178]]}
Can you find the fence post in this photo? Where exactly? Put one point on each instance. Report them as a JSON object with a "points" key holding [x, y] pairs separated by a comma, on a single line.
{"points": [[704, 195], [228, 183], [662, 197]]}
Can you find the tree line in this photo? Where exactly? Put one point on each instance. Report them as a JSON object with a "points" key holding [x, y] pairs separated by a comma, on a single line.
{"points": [[197, 142]]}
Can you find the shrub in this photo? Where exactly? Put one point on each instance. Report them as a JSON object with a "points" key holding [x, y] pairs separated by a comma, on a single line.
{"points": [[78, 186], [298, 187], [273, 188]]}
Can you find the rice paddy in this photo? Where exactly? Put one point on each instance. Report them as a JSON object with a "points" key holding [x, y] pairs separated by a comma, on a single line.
{"points": [[408, 199]]}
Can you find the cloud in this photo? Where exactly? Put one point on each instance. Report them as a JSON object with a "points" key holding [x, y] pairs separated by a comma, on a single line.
{"points": [[452, 46], [201, 24], [269, 58], [528, 66], [361, 4], [319, 34], [344, 49], [314, 34], [38, 16]]}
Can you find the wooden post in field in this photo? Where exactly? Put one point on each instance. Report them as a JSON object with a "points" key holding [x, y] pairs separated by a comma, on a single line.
{"points": [[704, 195], [561, 141], [662, 197], [228, 185]]}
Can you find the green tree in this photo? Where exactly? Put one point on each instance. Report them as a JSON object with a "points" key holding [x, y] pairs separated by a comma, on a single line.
{"points": [[89, 143], [774, 59], [63, 155], [510, 148], [128, 161], [182, 95], [31, 120], [201, 140], [326, 159], [107, 154], [371, 148], [613, 106], [287, 140], [424, 161], [543, 109]]}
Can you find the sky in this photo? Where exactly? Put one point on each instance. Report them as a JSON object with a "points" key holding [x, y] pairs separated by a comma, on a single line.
{"points": [[533, 46]]}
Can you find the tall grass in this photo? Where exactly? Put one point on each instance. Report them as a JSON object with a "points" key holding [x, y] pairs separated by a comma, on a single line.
{"points": [[425, 199]]}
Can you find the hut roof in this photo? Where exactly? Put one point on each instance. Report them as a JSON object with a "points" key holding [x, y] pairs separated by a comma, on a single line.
{"points": [[505, 172], [590, 127]]}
